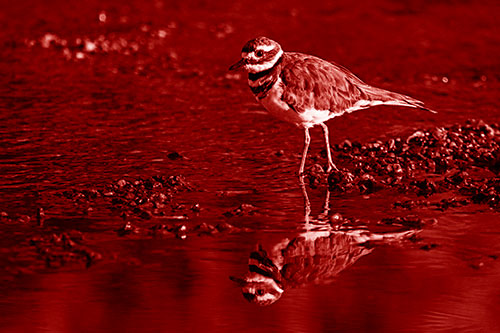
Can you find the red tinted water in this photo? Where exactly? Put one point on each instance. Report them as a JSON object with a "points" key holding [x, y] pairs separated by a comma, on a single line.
{"points": [[157, 83]]}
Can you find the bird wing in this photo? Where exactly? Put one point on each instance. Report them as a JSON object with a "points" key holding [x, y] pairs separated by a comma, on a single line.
{"points": [[313, 83]]}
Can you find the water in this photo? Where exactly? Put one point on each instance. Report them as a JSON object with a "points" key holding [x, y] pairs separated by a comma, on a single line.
{"points": [[95, 92]]}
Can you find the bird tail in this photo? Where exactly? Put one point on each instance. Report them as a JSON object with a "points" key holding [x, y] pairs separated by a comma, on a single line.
{"points": [[377, 96]]}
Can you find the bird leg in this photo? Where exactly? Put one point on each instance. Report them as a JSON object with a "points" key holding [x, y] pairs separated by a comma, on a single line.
{"points": [[307, 204], [326, 207], [331, 166], [307, 140]]}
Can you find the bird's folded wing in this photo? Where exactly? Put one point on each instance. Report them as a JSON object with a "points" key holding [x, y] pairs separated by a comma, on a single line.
{"points": [[312, 83]]}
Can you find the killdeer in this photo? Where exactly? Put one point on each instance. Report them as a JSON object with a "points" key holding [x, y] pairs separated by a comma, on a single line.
{"points": [[319, 253], [310, 258], [306, 90]]}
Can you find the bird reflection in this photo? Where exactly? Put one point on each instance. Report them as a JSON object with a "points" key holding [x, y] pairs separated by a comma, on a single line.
{"points": [[315, 256]]}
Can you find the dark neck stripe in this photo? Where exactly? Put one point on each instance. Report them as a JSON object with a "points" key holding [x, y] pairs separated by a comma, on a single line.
{"points": [[262, 90], [258, 270], [256, 76]]}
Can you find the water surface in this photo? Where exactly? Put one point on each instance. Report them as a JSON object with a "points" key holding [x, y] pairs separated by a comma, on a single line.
{"points": [[95, 92]]}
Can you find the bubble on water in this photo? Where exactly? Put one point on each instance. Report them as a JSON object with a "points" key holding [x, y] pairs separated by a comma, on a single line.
{"points": [[79, 55], [105, 46], [47, 39], [445, 79], [162, 33], [30, 42], [483, 78], [228, 28], [102, 17], [115, 46], [173, 55], [123, 42], [90, 46], [67, 53], [222, 30], [233, 76], [134, 46]]}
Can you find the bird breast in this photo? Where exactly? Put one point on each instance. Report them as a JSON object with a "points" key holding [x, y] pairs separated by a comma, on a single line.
{"points": [[277, 107]]}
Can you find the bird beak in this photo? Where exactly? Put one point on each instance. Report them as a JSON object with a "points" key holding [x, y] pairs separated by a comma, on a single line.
{"points": [[239, 281], [238, 65]]}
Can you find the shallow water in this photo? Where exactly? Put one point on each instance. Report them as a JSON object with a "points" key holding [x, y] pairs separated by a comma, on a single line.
{"points": [[97, 92]]}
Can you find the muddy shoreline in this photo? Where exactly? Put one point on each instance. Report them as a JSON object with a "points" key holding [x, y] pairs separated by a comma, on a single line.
{"points": [[444, 168]]}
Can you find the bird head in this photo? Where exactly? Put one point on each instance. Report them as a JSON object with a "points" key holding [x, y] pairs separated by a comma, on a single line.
{"points": [[258, 55], [259, 289]]}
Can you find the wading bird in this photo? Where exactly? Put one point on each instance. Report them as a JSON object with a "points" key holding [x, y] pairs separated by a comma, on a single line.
{"points": [[306, 90]]}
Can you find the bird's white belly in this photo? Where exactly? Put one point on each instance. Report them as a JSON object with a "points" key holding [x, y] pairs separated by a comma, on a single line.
{"points": [[312, 116]]}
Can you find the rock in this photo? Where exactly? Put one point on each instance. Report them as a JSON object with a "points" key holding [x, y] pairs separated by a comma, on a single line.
{"points": [[174, 156], [127, 229], [242, 210]]}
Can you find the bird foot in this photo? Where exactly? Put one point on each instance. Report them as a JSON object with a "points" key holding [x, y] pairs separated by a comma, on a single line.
{"points": [[331, 167]]}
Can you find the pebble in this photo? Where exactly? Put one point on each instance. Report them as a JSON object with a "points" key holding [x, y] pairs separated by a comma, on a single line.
{"points": [[242, 210]]}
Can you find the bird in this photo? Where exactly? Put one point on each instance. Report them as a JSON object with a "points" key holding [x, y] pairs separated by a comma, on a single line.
{"points": [[313, 257], [306, 90]]}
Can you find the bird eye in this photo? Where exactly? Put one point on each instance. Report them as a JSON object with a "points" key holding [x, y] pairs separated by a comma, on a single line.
{"points": [[260, 292], [259, 53]]}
